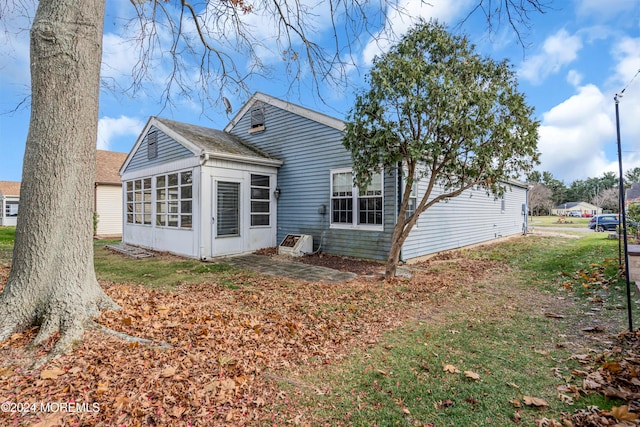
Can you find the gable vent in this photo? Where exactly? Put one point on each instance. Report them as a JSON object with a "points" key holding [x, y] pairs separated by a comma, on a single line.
{"points": [[257, 117], [152, 145]]}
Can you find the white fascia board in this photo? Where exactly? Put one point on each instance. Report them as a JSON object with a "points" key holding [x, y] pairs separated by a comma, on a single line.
{"points": [[287, 106], [134, 149]]}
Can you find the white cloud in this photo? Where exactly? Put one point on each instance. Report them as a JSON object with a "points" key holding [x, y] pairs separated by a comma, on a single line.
{"points": [[603, 10], [574, 78], [558, 50], [119, 57], [627, 52], [14, 46], [110, 128], [573, 134]]}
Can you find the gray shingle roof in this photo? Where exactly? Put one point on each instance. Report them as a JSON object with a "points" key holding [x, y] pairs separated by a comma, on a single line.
{"points": [[213, 141]]}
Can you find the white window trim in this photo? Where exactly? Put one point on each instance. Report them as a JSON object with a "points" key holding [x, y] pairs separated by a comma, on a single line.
{"points": [[355, 196], [166, 214], [133, 202]]}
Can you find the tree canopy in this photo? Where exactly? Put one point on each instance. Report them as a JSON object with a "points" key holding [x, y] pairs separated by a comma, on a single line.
{"points": [[435, 108]]}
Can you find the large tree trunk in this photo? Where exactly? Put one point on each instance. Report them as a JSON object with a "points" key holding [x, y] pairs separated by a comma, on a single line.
{"points": [[52, 281]]}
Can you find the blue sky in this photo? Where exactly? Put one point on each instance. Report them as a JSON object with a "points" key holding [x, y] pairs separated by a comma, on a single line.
{"points": [[579, 55]]}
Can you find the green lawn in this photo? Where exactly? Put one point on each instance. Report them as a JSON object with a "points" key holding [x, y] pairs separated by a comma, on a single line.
{"points": [[155, 272], [493, 347], [554, 221]]}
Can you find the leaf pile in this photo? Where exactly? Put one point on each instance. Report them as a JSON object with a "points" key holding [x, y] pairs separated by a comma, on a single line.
{"points": [[230, 347], [613, 373]]}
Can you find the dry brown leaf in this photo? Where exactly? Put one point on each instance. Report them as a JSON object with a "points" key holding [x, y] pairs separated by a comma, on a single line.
{"points": [[6, 371], [163, 311], [50, 420], [516, 403], [611, 366], [470, 374], [565, 399], [554, 315], [622, 413], [52, 374], [102, 387], [167, 372], [177, 411], [451, 369], [534, 401]]}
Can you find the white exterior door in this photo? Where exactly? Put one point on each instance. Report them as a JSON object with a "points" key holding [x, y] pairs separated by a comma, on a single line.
{"points": [[227, 220]]}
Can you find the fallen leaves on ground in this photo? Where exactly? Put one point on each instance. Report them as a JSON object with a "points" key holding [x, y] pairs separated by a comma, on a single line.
{"points": [[231, 347], [614, 374]]}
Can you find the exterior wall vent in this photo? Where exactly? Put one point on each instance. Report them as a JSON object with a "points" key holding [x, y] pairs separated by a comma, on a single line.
{"points": [[296, 245]]}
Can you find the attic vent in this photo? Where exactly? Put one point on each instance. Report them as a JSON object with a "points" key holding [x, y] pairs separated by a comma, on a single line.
{"points": [[257, 118], [152, 145]]}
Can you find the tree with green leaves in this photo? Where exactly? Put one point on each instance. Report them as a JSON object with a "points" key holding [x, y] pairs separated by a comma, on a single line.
{"points": [[556, 186], [439, 111], [632, 175]]}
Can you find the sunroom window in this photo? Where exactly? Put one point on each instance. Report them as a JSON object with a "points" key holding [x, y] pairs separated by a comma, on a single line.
{"points": [[139, 201], [174, 200]]}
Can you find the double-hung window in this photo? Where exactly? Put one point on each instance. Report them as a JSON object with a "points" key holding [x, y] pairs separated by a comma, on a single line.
{"points": [[139, 201], [354, 207], [174, 200]]}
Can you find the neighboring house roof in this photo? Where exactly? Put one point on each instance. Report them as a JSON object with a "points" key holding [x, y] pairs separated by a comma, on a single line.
{"points": [[633, 193], [108, 165], [570, 205], [259, 97], [9, 188]]}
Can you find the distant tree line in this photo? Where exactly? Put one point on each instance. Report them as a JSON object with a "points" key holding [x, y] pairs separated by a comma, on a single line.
{"points": [[548, 192]]}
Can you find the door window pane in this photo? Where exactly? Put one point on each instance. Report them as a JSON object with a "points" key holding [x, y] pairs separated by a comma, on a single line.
{"points": [[228, 209]]}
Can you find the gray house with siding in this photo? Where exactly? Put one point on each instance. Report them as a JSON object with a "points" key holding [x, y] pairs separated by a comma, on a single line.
{"points": [[279, 169]]}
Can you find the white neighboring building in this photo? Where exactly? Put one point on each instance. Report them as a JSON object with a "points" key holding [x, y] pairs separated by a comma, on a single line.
{"points": [[108, 193], [9, 198]]}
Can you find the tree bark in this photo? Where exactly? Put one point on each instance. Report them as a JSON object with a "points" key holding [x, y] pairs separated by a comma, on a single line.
{"points": [[52, 282]]}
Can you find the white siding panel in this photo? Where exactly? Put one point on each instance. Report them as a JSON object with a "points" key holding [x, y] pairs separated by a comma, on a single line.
{"points": [[109, 209]]}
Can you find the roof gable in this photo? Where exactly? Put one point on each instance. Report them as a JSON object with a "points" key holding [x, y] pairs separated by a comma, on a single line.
{"points": [[259, 97], [201, 141]]}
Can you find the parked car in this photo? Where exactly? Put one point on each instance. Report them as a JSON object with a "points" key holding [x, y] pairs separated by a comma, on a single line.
{"points": [[574, 213], [604, 222], [587, 215]]}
